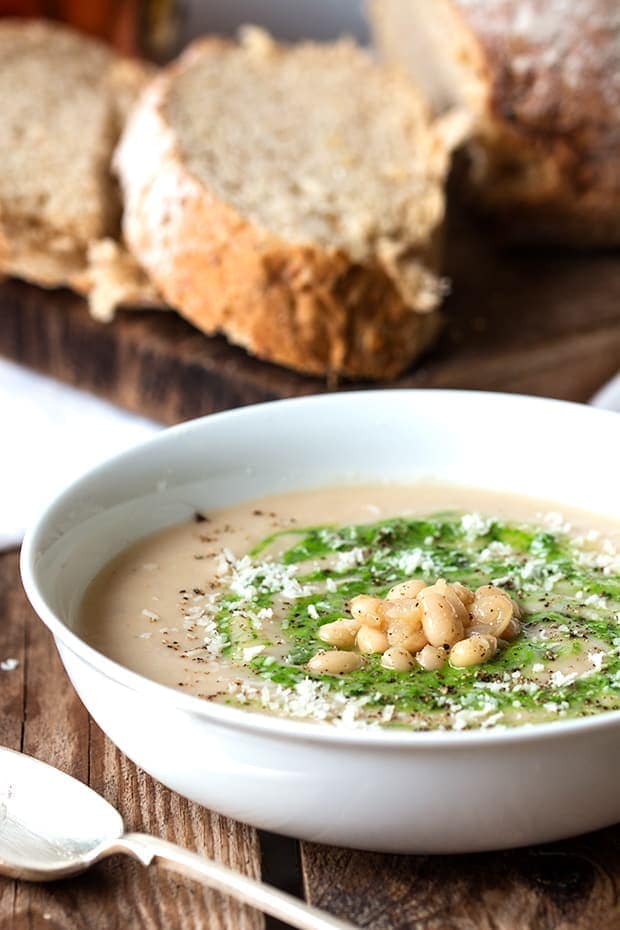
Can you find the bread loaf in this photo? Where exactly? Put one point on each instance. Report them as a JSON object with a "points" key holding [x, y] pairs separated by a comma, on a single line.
{"points": [[541, 79], [64, 100], [290, 197]]}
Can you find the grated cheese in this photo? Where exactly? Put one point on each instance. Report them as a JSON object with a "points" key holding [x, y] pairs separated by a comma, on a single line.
{"points": [[150, 614]]}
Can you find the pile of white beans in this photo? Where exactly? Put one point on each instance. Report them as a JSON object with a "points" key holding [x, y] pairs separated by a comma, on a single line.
{"points": [[420, 624]]}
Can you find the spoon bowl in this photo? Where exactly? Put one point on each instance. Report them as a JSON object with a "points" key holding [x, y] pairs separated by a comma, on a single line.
{"points": [[51, 825]]}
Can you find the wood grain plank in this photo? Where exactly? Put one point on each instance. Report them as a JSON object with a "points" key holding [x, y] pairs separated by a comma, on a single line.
{"points": [[42, 714], [540, 322], [572, 885], [12, 646]]}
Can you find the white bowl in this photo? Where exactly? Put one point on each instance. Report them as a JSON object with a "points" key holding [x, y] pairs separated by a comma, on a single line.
{"points": [[379, 790]]}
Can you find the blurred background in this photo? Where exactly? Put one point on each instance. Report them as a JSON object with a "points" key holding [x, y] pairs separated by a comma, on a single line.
{"points": [[160, 28]]}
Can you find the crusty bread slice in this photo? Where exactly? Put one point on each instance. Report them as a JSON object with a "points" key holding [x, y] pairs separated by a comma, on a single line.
{"points": [[290, 197], [541, 81], [64, 101]]}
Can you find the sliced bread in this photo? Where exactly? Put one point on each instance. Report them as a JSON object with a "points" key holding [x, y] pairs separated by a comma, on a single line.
{"points": [[64, 101], [290, 197], [541, 79]]}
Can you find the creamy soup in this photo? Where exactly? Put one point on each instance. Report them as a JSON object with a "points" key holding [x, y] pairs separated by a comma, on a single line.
{"points": [[230, 606]]}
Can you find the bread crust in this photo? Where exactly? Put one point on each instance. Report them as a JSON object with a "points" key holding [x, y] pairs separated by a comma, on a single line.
{"points": [[545, 159], [295, 304], [540, 79]]}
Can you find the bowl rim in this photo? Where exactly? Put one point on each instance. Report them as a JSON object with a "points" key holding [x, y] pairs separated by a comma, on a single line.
{"points": [[254, 721]]}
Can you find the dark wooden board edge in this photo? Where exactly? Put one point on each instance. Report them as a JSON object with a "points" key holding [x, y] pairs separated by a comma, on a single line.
{"points": [[538, 322]]}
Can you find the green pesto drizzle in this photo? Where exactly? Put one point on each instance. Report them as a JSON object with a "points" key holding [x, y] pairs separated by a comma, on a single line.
{"points": [[541, 569]]}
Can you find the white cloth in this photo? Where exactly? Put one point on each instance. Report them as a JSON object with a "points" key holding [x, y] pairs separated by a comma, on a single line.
{"points": [[608, 397], [51, 434]]}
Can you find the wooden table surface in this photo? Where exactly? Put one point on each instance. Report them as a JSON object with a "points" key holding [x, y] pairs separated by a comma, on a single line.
{"points": [[539, 323]]}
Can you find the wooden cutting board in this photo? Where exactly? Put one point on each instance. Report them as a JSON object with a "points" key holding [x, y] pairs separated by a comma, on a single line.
{"points": [[537, 322]]}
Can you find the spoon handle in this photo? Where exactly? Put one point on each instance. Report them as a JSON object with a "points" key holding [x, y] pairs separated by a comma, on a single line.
{"points": [[264, 897]]}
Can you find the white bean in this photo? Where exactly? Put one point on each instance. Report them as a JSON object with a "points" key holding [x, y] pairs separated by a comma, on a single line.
{"points": [[371, 640], [398, 659], [493, 608], [432, 658], [409, 588], [402, 633], [340, 633], [441, 622], [368, 610], [335, 662], [485, 589], [474, 650], [458, 606], [465, 594], [402, 608]]}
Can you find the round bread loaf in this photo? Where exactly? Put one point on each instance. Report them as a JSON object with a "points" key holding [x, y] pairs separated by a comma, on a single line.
{"points": [[290, 198], [541, 79]]}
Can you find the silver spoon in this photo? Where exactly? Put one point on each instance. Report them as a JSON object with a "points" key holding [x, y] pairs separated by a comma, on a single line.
{"points": [[53, 826]]}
